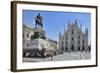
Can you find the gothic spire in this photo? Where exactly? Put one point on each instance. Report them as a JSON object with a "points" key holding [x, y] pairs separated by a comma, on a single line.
{"points": [[76, 22], [86, 31], [81, 26], [68, 23], [60, 34]]}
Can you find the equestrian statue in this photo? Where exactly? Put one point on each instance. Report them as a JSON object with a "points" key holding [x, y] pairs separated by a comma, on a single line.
{"points": [[38, 21]]}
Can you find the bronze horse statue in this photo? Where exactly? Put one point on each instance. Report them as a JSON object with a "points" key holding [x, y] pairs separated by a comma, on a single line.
{"points": [[38, 20]]}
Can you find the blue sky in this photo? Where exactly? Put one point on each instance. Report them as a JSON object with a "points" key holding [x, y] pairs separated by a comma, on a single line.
{"points": [[54, 22]]}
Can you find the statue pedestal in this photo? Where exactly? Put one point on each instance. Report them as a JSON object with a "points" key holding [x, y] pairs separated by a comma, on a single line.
{"points": [[38, 33], [37, 47]]}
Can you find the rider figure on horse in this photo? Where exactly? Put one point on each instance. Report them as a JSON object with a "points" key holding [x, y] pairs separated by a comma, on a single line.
{"points": [[38, 20]]}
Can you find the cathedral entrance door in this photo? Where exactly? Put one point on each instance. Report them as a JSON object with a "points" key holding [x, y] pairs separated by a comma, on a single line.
{"points": [[72, 48]]}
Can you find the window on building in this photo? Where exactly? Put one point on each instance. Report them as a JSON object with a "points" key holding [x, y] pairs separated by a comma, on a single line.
{"points": [[78, 36], [66, 42], [27, 45], [27, 35], [66, 38], [72, 48], [66, 48], [23, 34], [72, 31], [78, 48], [72, 38], [78, 41], [83, 41], [83, 48]]}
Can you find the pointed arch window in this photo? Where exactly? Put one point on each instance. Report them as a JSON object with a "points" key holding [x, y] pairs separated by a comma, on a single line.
{"points": [[72, 38], [27, 45], [83, 41], [66, 42], [66, 37], [78, 41], [83, 48], [72, 31], [78, 48], [78, 36], [72, 48]]}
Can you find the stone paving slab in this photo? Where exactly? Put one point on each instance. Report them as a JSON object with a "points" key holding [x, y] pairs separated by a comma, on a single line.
{"points": [[61, 57]]}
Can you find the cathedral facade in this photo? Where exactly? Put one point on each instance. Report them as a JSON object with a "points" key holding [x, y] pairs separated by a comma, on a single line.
{"points": [[73, 39]]}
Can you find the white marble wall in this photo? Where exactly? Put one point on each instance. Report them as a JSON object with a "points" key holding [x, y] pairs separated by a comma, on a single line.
{"points": [[74, 36]]}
